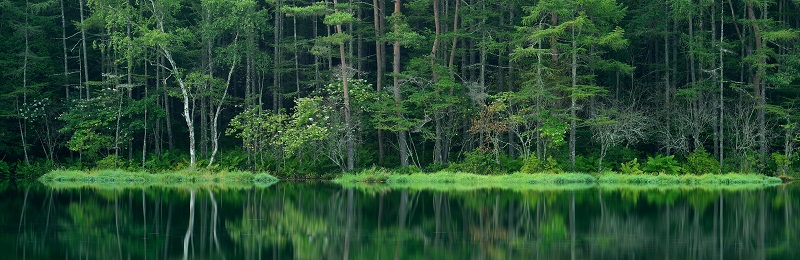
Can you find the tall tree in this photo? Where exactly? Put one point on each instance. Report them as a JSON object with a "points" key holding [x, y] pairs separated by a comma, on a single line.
{"points": [[338, 18], [398, 98]]}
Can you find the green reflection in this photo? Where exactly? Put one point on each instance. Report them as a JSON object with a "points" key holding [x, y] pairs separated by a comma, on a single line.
{"points": [[323, 220]]}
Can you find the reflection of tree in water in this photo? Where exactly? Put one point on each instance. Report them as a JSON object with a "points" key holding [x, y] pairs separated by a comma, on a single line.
{"points": [[301, 220], [272, 223]]}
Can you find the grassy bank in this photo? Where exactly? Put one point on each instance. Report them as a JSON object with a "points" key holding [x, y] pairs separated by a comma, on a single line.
{"points": [[126, 179], [444, 180], [705, 179]]}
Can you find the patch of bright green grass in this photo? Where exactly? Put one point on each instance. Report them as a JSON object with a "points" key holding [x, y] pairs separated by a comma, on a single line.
{"points": [[184, 178], [705, 179], [448, 187], [382, 179], [446, 180]]}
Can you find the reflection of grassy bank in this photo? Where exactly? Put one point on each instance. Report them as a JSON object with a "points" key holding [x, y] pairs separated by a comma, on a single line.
{"points": [[379, 179], [125, 179]]}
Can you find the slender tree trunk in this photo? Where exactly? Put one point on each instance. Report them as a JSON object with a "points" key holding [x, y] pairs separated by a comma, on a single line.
{"points": [[186, 112], [22, 120], [540, 147], [667, 85], [167, 108], [215, 119], [437, 147], [758, 87], [347, 119], [397, 95], [380, 62], [296, 58], [83, 46], [721, 89], [553, 48], [694, 103], [116, 132], [64, 48], [573, 101], [129, 80], [276, 57], [717, 77], [159, 134], [144, 138], [316, 58], [360, 46], [451, 68]]}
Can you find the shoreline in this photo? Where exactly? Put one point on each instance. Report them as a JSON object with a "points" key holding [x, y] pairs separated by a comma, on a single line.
{"points": [[382, 178]]}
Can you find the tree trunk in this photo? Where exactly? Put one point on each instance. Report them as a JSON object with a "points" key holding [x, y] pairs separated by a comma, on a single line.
{"points": [[451, 68], [347, 119], [573, 101], [721, 88], [667, 85], [397, 95], [694, 103], [185, 94], [553, 48], [23, 126], [758, 87], [167, 108], [380, 61], [437, 147], [296, 58], [64, 48], [83, 53], [276, 57], [215, 119], [144, 137]]}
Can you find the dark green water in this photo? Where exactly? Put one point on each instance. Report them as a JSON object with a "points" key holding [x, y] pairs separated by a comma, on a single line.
{"points": [[323, 221]]}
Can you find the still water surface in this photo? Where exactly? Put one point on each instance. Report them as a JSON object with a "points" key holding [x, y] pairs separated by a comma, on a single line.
{"points": [[302, 220]]}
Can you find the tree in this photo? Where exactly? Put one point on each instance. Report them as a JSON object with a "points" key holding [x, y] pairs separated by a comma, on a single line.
{"points": [[338, 18], [585, 28], [402, 133], [615, 125]]}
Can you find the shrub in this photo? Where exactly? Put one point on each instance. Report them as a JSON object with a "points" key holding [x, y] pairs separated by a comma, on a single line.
{"points": [[166, 161], [618, 155], [587, 163], [782, 163], [632, 167], [434, 167], [700, 162], [478, 162], [111, 162], [510, 164], [533, 164], [232, 160], [35, 169], [4, 169], [662, 164]]}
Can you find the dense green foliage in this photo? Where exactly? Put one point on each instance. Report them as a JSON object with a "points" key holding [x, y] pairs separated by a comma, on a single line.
{"points": [[299, 88]]}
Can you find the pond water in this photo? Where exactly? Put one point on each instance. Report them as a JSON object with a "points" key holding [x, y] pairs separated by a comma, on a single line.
{"points": [[305, 220]]}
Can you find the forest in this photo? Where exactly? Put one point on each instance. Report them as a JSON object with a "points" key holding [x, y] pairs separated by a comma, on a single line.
{"points": [[299, 88]]}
